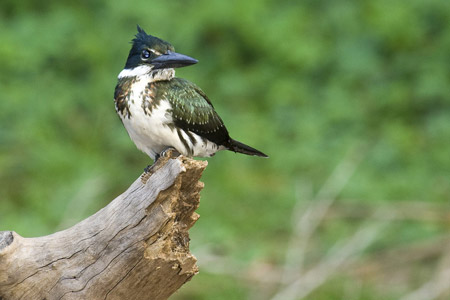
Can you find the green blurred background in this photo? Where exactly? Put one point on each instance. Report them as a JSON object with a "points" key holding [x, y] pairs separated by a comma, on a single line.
{"points": [[351, 100]]}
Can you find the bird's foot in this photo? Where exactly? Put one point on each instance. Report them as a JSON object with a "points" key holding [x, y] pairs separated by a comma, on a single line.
{"points": [[168, 153], [148, 168], [148, 171]]}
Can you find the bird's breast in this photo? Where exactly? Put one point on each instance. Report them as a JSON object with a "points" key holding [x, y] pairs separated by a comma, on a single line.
{"points": [[147, 115], [146, 119]]}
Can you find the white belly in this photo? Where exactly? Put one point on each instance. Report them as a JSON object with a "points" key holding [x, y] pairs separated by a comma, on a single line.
{"points": [[150, 133]]}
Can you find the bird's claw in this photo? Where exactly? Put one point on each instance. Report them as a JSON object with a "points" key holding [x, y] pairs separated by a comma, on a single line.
{"points": [[148, 171], [148, 168], [169, 152]]}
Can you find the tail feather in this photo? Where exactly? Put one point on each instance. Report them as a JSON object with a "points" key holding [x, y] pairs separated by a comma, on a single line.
{"points": [[242, 148]]}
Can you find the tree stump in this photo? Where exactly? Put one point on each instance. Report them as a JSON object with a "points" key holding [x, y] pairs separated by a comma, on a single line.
{"points": [[137, 247]]}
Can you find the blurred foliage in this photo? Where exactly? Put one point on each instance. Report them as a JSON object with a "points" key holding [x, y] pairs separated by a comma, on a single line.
{"points": [[303, 81]]}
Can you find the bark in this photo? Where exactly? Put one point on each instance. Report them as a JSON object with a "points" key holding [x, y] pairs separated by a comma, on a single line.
{"points": [[137, 247]]}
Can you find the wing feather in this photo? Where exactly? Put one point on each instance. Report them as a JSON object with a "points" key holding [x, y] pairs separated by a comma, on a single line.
{"points": [[192, 110]]}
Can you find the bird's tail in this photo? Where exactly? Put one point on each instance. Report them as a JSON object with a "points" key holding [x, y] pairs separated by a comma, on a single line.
{"points": [[242, 148]]}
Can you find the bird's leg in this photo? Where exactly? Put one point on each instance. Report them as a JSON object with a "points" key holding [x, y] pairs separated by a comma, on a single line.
{"points": [[169, 152], [149, 170], [149, 167]]}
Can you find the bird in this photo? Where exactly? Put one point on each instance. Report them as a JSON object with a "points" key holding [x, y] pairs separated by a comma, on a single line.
{"points": [[161, 111]]}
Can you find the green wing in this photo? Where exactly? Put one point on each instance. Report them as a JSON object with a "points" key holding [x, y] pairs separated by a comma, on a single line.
{"points": [[192, 109]]}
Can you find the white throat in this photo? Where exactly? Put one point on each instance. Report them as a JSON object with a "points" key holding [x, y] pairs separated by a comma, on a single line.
{"points": [[144, 70]]}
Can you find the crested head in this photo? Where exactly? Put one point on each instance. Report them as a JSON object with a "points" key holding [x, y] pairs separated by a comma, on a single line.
{"points": [[143, 41], [149, 53]]}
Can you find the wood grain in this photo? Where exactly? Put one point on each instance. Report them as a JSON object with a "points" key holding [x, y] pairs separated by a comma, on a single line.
{"points": [[137, 247]]}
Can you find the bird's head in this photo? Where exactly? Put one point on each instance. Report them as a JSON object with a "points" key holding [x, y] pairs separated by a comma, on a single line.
{"points": [[151, 53]]}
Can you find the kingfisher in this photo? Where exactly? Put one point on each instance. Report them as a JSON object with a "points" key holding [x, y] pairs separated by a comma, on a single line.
{"points": [[161, 111]]}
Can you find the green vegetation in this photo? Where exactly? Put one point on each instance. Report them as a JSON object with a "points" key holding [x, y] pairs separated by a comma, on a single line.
{"points": [[311, 83]]}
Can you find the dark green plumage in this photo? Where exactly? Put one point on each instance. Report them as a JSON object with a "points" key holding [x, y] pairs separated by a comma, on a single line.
{"points": [[191, 109]]}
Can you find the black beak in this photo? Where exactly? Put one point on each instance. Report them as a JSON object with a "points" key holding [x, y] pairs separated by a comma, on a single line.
{"points": [[172, 60]]}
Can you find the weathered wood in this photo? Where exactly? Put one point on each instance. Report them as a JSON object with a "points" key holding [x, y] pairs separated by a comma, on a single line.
{"points": [[137, 247]]}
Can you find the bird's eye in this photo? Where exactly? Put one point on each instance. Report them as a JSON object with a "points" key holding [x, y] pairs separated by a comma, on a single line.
{"points": [[145, 54]]}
